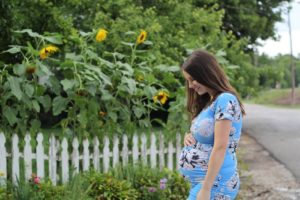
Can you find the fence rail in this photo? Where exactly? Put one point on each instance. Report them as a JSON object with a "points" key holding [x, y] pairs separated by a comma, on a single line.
{"points": [[59, 156]]}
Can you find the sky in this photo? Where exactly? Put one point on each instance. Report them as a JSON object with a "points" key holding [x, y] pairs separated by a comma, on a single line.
{"points": [[273, 48]]}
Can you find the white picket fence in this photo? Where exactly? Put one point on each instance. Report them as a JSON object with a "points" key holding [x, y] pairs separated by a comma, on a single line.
{"points": [[59, 156]]}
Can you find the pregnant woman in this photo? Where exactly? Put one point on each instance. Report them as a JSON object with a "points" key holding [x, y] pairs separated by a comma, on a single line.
{"points": [[208, 160]]}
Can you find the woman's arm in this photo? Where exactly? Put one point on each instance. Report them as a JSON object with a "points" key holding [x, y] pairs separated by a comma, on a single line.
{"points": [[221, 138]]}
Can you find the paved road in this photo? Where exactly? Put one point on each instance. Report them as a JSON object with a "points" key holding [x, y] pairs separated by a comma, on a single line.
{"points": [[278, 130]]}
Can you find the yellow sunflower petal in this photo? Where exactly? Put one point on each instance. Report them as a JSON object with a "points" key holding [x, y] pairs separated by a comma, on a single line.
{"points": [[101, 35], [142, 37]]}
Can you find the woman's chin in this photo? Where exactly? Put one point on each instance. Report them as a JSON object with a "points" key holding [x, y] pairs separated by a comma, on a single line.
{"points": [[200, 93]]}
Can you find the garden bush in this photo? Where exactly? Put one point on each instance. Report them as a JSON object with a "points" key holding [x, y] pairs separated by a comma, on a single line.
{"points": [[121, 183]]}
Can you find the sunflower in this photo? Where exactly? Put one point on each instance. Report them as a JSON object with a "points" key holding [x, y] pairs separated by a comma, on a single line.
{"points": [[45, 52], [142, 37], [101, 35], [162, 97]]}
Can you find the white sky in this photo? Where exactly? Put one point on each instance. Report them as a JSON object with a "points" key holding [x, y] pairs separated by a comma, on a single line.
{"points": [[272, 48]]}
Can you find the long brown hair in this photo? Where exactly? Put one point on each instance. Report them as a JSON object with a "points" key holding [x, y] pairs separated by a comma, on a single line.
{"points": [[204, 68]]}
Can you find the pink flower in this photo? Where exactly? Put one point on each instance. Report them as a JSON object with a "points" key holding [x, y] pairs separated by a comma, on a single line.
{"points": [[152, 189], [36, 180]]}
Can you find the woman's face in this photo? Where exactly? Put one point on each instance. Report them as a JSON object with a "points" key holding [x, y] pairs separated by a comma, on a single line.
{"points": [[193, 84]]}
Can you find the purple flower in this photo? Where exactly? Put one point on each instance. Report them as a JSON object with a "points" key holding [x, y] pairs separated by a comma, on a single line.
{"points": [[163, 183], [152, 189], [164, 180], [162, 186]]}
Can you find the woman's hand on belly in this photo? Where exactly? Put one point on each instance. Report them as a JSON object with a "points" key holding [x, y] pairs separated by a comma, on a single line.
{"points": [[189, 139]]}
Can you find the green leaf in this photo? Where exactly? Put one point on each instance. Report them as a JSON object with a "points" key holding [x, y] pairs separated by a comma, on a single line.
{"points": [[55, 85], [45, 101], [36, 105], [233, 66], [128, 68], [15, 87], [53, 39], [29, 90], [19, 69], [165, 68], [113, 116], [130, 33], [82, 118], [59, 104], [14, 49], [73, 57], [130, 83], [92, 89], [40, 90], [67, 84], [84, 34], [44, 69], [106, 62], [35, 125], [150, 91], [128, 44], [91, 54], [118, 55], [10, 115], [138, 111], [106, 96], [30, 33], [147, 42]]}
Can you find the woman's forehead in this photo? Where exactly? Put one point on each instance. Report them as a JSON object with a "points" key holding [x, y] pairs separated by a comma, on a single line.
{"points": [[186, 75]]}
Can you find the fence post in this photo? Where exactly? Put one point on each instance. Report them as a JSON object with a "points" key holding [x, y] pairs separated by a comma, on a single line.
{"points": [[40, 156], [52, 159], [28, 157], [153, 151], [64, 161], [125, 150], [75, 155], [15, 159], [115, 151], [135, 149], [106, 154], [86, 155], [161, 151], [96, 154], [3, 155], [170, 155], [144, 149]]}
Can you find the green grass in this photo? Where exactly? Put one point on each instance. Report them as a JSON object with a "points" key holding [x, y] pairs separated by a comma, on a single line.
{"points": [[274, 98]]}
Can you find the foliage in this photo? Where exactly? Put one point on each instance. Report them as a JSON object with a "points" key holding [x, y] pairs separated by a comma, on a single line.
{"points": [[104, 186], [153, 184], [89, 89], [95, 84], [249, 19], [276, 72], [129, 182]]}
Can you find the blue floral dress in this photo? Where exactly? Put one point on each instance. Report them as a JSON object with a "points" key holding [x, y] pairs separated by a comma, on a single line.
{"points": [[194, 159]]}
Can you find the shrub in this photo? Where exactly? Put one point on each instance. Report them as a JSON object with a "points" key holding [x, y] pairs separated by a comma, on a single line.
{"points": [[153, 183]]}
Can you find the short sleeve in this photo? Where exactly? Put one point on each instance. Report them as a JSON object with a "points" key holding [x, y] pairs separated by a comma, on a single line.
{"points": [[227, 107]]}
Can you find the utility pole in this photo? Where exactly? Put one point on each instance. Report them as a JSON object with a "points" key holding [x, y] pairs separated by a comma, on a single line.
{"points": [[292, 59]]}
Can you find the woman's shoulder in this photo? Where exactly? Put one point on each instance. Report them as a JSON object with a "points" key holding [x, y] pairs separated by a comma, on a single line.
{"points": [[226, 96]]}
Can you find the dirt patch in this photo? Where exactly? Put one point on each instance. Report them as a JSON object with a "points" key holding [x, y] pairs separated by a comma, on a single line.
{"points": [[262, 177]]}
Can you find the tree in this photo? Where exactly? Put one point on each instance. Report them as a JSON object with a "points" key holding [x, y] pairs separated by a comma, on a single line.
{"points": [[251, 19]]}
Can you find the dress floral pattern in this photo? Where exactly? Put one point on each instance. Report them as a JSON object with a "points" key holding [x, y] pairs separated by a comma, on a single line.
{"points": [[193, 161]]}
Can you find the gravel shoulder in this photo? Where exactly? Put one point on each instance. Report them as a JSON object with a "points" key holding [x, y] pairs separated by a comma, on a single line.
{"points": [[263, 177]]}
